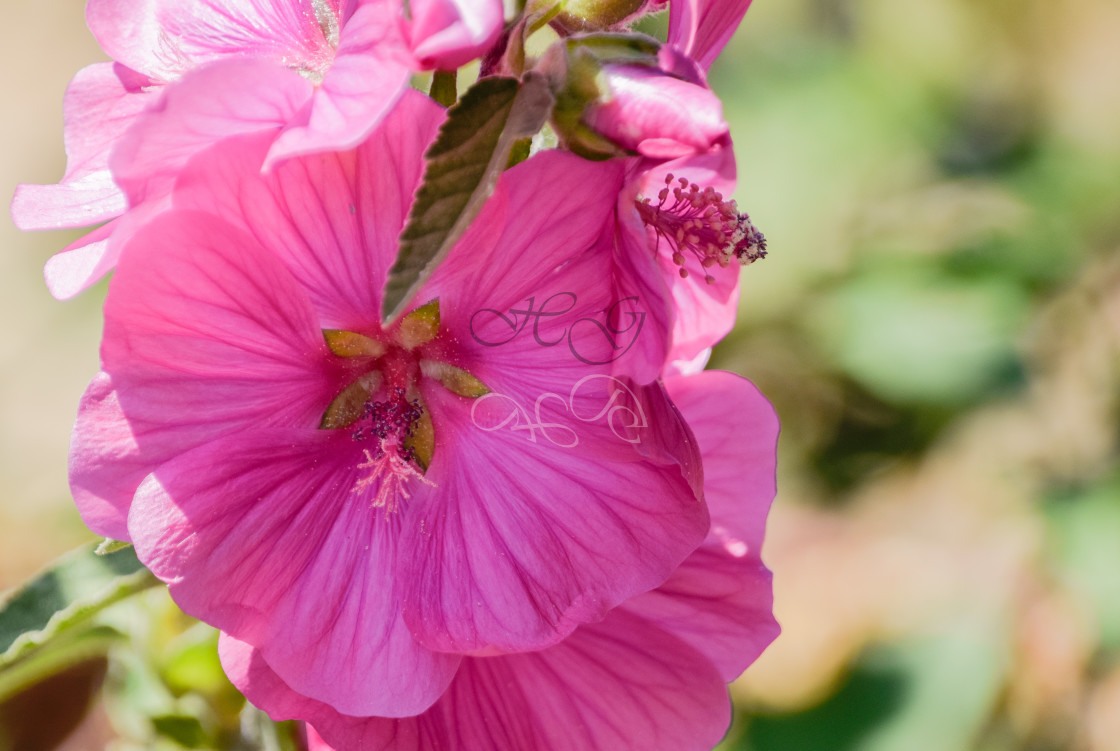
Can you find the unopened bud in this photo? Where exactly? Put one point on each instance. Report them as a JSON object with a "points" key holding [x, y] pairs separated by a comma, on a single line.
{"points": [[623, 94], [596, 15]]}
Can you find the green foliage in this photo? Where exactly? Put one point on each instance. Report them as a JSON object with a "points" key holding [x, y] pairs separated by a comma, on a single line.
{"points": [[1085, 537], [905, 696], [914, 337], [65, 596]]}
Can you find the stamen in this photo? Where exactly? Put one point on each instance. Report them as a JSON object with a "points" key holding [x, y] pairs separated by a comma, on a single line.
{"points": [[392, 464], [699, 222], [392, 472]]}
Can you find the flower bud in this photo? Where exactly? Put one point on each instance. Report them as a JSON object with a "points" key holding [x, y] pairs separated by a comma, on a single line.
{"points": [[596, 15], [622, 94]]}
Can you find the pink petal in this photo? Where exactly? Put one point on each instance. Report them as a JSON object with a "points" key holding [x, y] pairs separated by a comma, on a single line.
{"points": [[637, 271], [721, 605], [701, 28], [85, 261], [738, 434], [71, 203], [81, 263], [220, 100], [106, 465], [166, 38], [621, 683], [538, 234], [100, 104], [271, 545], [720, 599], [206, 332], [529, 533], [306, 210], [369, 73], [446, 34], [184, 379]]}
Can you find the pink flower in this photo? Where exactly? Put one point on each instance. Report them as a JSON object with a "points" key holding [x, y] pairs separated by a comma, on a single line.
{"points": [[679, 243], [320, 74], [651, 675], [363, 502]]}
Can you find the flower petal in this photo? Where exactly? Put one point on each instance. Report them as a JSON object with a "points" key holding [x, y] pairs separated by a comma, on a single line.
{"points": [[272, 545], [219, 100], [720, 599], [539, 232], [100, 103], [305, 211], [164, 38], [738, 434], [621, 683], [720, 605], [546, 522], [701, 28], [81, 263], [445, 34], [367, 76], [106, 465]]}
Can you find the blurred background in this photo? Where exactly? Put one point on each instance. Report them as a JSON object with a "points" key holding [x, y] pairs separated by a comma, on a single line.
{"points": [[937, 323]]}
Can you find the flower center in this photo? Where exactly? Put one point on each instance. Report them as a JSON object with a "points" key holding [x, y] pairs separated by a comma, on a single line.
{"points": [[698, 222], [383, 408], [392, 462], [314, 66]]}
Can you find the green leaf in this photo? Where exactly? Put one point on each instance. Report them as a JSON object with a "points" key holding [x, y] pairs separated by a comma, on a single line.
{"points": [[66, 652], [462, 166], [66, 594], [109, 545], [184, 729]]}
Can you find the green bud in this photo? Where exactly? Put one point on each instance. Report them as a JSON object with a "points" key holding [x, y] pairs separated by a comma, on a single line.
{"points": [[595, 15], [574, 68]]}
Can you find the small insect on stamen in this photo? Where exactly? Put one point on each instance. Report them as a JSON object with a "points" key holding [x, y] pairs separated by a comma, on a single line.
{"points": [[698, 222]]}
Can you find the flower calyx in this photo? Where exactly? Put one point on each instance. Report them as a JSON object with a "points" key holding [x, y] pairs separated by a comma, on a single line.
{"points": [[575, 70], [383, 404]]}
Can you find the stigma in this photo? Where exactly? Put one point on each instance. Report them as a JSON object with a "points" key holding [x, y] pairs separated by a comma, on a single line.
{"points": [[698, 222], [392, 427]]}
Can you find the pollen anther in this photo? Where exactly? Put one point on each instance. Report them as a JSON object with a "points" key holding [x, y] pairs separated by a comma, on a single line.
{"points": [[699, 222]]}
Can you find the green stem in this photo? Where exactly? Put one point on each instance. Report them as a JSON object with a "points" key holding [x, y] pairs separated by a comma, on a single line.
{"points": [[444, 89]]}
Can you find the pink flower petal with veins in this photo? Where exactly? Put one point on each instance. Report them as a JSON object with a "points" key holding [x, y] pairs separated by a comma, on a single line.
{"points": [[307, 210], [320, 75], [165, 38], [620, 683], [272, 545], [215, 102], [720, 599]]}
